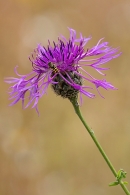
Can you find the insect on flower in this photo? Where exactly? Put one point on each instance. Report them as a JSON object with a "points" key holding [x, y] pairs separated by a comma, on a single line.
{"points": [[63, 65], [53, 67]]}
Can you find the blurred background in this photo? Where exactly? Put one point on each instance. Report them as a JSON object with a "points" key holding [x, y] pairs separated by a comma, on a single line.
{"points": [[53, 154]]}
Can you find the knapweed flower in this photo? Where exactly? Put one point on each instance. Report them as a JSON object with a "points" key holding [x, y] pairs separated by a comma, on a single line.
{"points": [[61, 65]]}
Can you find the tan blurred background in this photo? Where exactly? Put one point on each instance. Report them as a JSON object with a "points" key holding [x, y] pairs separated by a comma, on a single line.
{"points": [[53, 154]]}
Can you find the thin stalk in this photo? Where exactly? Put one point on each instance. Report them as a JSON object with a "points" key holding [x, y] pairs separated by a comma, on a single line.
{"points": [[91, 133]]}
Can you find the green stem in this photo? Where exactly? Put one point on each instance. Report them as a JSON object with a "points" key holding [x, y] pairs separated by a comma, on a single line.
{"points": [[91, 133]]}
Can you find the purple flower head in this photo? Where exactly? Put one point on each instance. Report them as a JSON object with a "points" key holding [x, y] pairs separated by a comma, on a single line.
{"points": [[61, 65]]}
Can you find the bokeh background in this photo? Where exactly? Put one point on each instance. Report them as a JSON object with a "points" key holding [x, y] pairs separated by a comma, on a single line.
{"points": [[53, 154]]}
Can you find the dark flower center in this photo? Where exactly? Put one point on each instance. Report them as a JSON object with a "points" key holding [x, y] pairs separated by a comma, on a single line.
{"points": [[63, 88]]}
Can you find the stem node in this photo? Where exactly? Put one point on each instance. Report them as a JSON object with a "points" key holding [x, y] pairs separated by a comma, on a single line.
{"points": [[120, 174]]}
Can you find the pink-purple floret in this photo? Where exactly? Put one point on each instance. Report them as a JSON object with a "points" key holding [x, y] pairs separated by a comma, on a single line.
{"points": [[67, 55]]}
